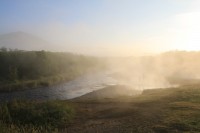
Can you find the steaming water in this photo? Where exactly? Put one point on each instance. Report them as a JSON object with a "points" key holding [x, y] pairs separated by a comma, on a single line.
{"points": [[80, 86], [71, 89]]}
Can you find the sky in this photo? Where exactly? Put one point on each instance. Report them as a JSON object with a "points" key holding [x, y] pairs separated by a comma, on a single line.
{"points": [[107, 27]]}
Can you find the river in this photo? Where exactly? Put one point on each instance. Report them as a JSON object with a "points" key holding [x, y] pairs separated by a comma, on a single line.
{"points": [[85, 84], [80, 86]]}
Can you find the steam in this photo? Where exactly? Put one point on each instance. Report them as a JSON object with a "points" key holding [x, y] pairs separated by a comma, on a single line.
{"points": [[160, 71]]}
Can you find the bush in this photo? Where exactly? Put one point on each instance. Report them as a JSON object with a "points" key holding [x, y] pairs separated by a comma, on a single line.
{"points": [[41, 116]]}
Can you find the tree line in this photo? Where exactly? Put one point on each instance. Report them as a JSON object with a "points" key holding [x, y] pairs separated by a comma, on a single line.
{"points": [[22, 66]]}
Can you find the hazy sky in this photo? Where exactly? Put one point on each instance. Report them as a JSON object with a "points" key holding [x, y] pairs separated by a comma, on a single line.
{"points": [[110, 27]]}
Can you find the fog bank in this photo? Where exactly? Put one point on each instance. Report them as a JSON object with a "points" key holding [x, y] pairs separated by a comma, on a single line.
{"points": [[159, 71]]}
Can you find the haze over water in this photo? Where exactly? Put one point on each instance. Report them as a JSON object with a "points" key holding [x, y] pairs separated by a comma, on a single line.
{"points": [[131, 36]]}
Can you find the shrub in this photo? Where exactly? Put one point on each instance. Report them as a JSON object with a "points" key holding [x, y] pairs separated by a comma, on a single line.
{"points": [[43, 116]]}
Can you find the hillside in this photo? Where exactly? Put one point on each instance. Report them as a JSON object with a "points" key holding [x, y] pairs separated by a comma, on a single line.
{"points": [[23, 41]]}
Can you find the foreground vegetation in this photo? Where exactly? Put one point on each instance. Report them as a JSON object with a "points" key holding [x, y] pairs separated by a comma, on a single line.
{"points": [[30, 69], [178, 109], [34, 117], [172, 110]]}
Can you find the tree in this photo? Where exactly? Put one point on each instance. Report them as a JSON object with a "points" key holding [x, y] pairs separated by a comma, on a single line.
{"points": [[13, 73]]}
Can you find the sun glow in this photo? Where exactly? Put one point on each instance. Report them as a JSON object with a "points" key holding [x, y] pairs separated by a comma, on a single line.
{"points": [[186, 31]]}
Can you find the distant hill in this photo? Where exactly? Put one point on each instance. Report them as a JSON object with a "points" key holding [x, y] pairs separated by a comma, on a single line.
{"points": [[23, 41]]}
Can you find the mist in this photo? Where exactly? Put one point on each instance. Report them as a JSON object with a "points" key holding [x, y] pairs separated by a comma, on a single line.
{"points": [[106, 66], [137, 67], [168, 69]]}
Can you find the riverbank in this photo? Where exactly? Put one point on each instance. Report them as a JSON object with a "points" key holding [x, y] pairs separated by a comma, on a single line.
{"points": [[32, 84], [154, 111]]}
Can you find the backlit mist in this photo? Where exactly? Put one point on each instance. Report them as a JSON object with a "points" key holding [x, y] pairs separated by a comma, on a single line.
{"points": [[105, 27]]}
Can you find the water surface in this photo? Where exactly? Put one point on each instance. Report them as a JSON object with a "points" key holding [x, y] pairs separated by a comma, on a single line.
{"points": [[80, 86]]}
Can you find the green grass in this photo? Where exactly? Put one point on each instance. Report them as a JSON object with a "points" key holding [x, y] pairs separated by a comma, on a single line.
{"points": [[171, 110], [181, 111], [36, 117], [30, 84]]}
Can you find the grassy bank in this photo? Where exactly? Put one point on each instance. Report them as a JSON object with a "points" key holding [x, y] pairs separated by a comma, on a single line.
{"points": [[42, 82], [35, 117], [173, 110]]}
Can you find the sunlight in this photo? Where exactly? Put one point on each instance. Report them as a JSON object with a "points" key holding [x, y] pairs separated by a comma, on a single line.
{"points": [[187, 31]]}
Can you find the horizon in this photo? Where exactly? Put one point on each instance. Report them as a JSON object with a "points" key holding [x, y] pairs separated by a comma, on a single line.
{"points": [[107, 27]]}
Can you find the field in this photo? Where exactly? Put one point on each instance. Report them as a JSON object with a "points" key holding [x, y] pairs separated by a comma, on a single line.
{"points": [[172, 110]]}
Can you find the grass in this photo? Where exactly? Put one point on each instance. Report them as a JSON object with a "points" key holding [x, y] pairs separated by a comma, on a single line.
{"points": [[34, 117], [180, 108], [30, 84], [172, 110]]}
